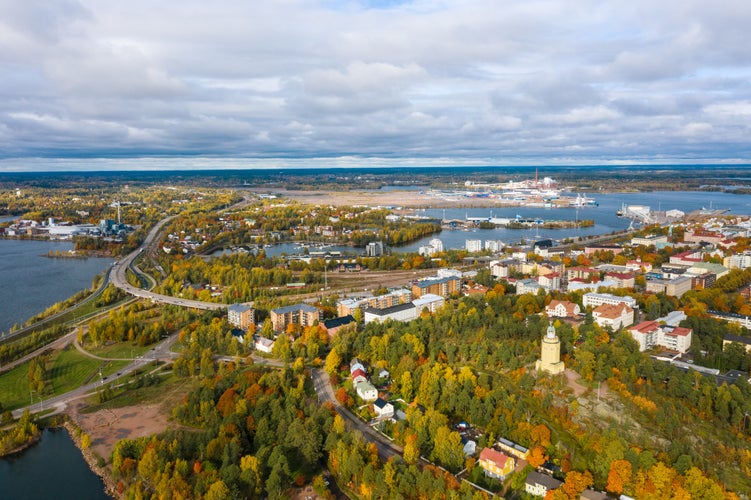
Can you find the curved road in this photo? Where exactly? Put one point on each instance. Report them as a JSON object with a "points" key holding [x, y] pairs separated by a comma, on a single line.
{"points": [[322, 385], [118, 278]]}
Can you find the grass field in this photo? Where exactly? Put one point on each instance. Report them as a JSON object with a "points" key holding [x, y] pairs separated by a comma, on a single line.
{"points": [[169, 390], [14, 388], [124, 350], [71, 369]]}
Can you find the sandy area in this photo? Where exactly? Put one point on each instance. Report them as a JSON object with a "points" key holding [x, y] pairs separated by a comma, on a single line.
{"points": [[386, 198], [106, 427]]}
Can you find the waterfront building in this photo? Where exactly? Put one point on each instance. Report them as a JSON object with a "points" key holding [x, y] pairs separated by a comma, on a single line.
{"points": [[374, 249], [473, 246]]}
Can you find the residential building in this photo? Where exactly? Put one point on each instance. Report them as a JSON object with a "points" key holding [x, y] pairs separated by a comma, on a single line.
{"points": [[622, 280], [562, 309], [702, 281], [366, 391], [614, 316], [744, 342], [659, 241], [676, 338], [494, 245], [299, 314], [383, 409], [240, 315], [597, 299], [674, 287], [428, 301], [528, 285], [433, 247], [437, 286], [701, 235], [688, 258], [550, 281], [538, 484], [334, 325], [473, 245], [651, 334], [374, 249], [512, 448], [582, 273], [496, 464], [358, 375], [590, 250], [738, 261], [262, 344]]}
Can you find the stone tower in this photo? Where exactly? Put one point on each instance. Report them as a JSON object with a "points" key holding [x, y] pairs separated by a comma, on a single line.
{"points": [[550, 357]]}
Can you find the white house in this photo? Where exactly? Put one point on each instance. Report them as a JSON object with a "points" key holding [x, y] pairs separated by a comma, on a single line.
{"points": [[614, 316], [562, 309], [262, 344], [539, 484], [383, 409], [366, 391]]}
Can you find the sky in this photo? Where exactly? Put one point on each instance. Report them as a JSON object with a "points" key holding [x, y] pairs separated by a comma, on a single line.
{"points": [[98, 84]]}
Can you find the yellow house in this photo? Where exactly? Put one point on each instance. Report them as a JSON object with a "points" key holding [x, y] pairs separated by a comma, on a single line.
{"points": [[496, 464]]}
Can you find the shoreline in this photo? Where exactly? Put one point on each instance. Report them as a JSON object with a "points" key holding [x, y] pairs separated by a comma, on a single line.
{"points": [[92, 460]]}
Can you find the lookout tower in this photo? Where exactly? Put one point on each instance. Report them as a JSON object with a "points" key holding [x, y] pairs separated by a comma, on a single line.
{"points": [[550, 357]]}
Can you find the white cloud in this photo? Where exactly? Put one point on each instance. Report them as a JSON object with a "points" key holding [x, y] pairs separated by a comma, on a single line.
{"points": [[408, 81]]}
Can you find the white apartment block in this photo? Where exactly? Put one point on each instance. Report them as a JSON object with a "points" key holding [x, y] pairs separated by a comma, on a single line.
{"points": [[598, 299], [473, 245], [651, 334]]}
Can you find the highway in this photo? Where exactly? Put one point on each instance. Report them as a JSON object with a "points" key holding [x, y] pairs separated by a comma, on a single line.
{"points": [[119, 279]]}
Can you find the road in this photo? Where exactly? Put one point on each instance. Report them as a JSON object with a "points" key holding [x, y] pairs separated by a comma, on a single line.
{"points": [[161, 352], [322, 385], [119, 279]]}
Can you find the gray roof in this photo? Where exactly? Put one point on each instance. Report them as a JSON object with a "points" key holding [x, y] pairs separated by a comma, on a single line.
{"points": [[390, 310], [548, 482], [295, 307], [240, 308]]}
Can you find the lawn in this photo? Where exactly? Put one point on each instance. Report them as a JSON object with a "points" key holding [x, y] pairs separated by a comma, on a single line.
{"points": [[14, 388], [123, 350], [169, 390], [71, 369]]}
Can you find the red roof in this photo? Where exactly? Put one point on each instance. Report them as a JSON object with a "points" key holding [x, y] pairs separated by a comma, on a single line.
{"points": [[621, 276], [360, 373], [646, 326], [496, 457], [679, 330]]}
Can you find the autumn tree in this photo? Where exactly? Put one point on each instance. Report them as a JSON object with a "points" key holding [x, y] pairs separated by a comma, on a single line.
{"points": [[619, 476]]}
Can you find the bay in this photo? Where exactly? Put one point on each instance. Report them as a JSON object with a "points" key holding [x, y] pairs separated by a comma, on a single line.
{"points": [[31, 281], [604, 216]]}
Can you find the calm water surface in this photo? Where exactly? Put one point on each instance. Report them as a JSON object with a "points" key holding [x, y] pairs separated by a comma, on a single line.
{"points": [[53, 468], [30, 281]]}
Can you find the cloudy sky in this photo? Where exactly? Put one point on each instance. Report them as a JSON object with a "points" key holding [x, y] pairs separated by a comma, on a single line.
{"points": [[374, 82]]}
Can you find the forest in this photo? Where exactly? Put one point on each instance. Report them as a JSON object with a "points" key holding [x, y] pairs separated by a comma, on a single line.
{"points": [[655, 432]]}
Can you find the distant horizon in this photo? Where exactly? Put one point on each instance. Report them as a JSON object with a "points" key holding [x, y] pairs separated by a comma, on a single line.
{"points": [[105, 165]]}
